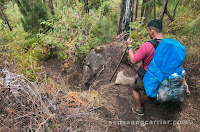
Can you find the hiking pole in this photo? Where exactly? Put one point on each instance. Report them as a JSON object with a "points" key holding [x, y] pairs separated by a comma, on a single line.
{"points": [[118, 63], [125, 37]]}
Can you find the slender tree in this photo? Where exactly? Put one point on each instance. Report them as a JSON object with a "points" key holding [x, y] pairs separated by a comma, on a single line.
{"points": [[143, 9], [135, 9], [154, 8], [176, 8], [4, 15], [162, 12]]}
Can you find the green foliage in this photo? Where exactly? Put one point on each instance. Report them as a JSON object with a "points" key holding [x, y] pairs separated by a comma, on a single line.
{"points": [[21, 48], [139, 33], [24, 53], [3, 2], [169, 36], [95, 4], [187, 24], [105, 28], [33, 13], [69, 36], [92, 4], [193, 28], [149, 9], [76, 33], [192, 4]]}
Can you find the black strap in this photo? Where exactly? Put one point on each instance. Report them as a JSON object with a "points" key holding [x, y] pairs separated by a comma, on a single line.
{"points": [[136, 80], [155, 42]]}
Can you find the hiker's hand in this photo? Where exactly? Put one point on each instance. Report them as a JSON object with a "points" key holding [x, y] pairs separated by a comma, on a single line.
{"points": [[187, 88], [128, 42]]}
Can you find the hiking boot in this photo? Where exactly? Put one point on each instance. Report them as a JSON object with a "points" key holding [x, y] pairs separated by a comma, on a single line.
{"points": [[140, 112]]}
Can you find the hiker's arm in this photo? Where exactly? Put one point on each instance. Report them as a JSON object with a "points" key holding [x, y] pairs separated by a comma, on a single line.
{"points": [[130, 51], [186, 85], [131, 56]]}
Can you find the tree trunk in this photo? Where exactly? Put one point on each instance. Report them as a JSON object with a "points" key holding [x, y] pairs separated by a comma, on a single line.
{"points": [[154, 8], [135, 9], [165, 11], [162, 12], [5, 18], [51, 7], [126, 16], [143, 10]]}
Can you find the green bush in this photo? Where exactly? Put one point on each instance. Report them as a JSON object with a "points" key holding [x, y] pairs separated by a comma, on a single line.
{"points": [[139, 33], [75, 33]]}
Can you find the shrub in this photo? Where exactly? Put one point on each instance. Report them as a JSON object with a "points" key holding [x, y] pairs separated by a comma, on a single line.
{"points": [[139, 33]]}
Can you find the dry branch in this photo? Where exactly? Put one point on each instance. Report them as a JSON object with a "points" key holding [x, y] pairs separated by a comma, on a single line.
{"points": [[36, 106]]}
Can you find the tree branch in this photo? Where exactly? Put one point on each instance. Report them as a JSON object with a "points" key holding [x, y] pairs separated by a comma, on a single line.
{"points": [[169, 15], [175, 8], [162, 12]]}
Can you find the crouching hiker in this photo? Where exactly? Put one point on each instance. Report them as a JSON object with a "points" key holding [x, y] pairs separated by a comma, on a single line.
{"points": [[145, 54]]}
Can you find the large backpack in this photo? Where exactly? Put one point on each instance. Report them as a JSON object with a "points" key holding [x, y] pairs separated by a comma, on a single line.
{"points": [[168, 59]]}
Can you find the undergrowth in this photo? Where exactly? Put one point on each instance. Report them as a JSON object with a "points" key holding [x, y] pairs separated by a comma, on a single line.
{"points": [[69, 36], [41, 105]]}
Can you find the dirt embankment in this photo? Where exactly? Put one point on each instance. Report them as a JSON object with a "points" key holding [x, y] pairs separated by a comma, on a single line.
{"points": [[117, 105]]}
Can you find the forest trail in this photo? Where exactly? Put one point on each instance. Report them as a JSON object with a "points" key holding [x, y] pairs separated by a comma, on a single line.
{"points": [[117, 111]]}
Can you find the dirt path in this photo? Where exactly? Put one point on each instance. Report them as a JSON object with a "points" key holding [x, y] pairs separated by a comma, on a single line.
{"points": [[118, 104]]}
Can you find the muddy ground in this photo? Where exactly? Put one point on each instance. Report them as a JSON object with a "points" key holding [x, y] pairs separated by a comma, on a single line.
{"points": [[116, 113]]}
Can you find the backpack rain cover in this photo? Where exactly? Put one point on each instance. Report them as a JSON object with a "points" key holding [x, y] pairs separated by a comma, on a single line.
{"points": [[168, 59]]}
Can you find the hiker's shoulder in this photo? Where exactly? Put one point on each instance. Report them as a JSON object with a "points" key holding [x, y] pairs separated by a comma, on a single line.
{"points": [[147, 44]]}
